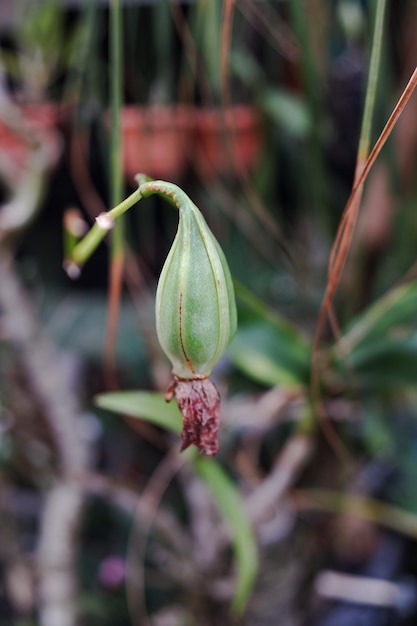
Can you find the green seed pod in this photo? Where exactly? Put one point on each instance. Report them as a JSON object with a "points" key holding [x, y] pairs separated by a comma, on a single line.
{"points": [[195, 302]]}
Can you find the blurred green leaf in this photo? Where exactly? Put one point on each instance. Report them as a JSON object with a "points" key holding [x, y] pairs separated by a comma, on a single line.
{"points": [[376, 433], [153, 408], [382, 342], [396, 308], [42, 33], [271, 355], [146, 405], [286, 110], [230, 505], [386, 363], [247, 69], [267, 347]]}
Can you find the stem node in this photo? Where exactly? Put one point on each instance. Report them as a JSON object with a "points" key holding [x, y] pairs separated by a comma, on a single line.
{"points": [[105, 221]]}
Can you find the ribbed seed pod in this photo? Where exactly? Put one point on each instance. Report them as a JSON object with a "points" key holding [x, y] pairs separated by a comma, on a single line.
{"points": [[195, 312], [195, 301]]}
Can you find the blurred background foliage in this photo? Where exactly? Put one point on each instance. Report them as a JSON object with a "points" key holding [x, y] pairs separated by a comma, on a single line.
{"points": [[254, 108]]}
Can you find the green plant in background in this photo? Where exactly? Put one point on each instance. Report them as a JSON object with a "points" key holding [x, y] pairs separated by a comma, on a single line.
{"points": [[41, 52], [282, 383], [267, 348], [46, 63]]}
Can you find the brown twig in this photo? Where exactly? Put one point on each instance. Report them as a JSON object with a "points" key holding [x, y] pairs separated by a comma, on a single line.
{"points": [[343, 239]]}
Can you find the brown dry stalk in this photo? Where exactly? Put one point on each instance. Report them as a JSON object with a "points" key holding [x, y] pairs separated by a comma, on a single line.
{"points": [[115, 292], [344, 234], [340, 251]]}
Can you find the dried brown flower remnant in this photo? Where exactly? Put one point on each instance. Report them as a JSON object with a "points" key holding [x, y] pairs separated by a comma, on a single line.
{"points": [[199, 403]]}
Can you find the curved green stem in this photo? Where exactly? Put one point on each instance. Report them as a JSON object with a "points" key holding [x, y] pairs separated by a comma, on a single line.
{"points": [[106, 221], [85, 248]]}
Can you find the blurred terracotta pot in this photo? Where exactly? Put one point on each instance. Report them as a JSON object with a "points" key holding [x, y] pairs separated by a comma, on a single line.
{"points": [[156, 140], [44, 114], [227, 141], [27, 127]]}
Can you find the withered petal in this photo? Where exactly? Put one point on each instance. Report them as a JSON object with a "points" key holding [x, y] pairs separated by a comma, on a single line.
{"points": [[199, 403]]}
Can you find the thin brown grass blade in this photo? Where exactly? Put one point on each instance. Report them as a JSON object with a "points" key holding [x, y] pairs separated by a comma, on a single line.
{"points": [[339, 254]]}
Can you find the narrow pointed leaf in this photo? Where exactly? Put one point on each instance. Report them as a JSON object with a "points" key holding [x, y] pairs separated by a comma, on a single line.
{"points": [[271, 355], [229, 502], [146, 405]]}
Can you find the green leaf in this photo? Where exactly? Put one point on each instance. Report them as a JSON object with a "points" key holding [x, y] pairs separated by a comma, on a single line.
{"points": [[382, 342], [267, 347], [230, 505], [146, 405], [386, 363], [396, 308], [271, 355], [287, 110]]}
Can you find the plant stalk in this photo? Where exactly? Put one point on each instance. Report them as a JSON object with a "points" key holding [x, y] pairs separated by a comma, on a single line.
{"points": [[85, 248]]}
